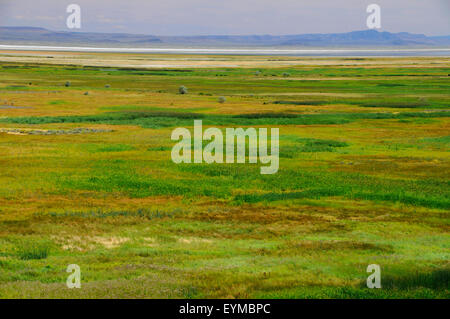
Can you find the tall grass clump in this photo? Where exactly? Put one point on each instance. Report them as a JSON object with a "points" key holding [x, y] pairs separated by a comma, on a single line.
{"points": [[317, 145], [437, 279], [33, 250]]}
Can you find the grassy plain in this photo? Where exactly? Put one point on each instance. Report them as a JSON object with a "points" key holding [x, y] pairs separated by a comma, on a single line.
{"points": [[86, 177]]}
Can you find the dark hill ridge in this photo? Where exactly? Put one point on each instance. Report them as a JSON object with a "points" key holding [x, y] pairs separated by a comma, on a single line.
{"points": [[24, 35], [41, 36]]}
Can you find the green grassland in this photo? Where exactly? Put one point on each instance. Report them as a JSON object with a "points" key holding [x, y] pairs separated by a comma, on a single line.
{"points": [[86, 178]]}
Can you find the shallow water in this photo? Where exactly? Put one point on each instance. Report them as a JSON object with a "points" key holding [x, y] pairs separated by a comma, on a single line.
{"points": [[326, 52]]}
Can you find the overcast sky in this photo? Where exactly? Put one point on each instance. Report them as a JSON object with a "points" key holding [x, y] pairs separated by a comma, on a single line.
{"points": [[201, 17]]}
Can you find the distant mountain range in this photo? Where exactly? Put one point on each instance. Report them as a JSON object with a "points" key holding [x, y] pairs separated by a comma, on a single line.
{"points": [[41, 36]]}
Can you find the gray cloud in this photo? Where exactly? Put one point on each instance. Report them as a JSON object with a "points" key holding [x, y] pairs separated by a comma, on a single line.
{"points": [[196, 17]]}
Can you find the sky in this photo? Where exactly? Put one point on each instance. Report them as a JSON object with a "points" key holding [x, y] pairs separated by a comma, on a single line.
{"points": [[230, 17]]}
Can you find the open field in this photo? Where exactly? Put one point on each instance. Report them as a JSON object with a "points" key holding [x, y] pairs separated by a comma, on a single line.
{"points": [[86, 177]]}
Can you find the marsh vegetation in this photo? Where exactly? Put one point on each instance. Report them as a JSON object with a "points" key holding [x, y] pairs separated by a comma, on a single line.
{"points": [[363, 179]]}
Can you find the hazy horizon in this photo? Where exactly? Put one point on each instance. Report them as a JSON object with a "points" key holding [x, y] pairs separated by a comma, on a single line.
{"points": [[234, 17], [205, 35]]}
